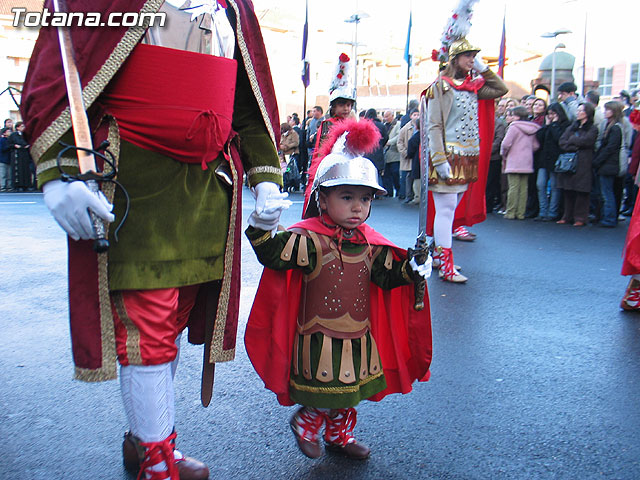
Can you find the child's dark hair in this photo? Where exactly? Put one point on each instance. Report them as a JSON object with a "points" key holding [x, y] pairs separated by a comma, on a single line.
{"points": [[328, 190]]}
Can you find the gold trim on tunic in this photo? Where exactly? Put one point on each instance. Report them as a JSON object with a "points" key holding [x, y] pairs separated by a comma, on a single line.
{"points": [[96, 85], [345, 389], [264, 169], [253, 79]]}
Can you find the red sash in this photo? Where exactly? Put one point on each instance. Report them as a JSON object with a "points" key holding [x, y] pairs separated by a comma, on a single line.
{"points": [[179, 112]]}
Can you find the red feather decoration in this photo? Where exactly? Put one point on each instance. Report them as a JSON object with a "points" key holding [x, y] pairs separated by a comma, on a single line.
{"points": [[635, 117], [363, 137]]}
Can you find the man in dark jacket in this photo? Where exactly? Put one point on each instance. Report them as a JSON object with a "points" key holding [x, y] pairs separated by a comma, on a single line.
{"points": [[413, 104]]}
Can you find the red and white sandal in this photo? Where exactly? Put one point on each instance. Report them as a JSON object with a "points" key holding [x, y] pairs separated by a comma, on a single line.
{"points": [[631, 299], [448, 271], [464, 235], [338, 435], [305, 425]]}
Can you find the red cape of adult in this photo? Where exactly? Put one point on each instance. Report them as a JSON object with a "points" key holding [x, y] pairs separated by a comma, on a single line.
{"points": [[631, 251], [402, 334], [472, 208], [99, 53]]}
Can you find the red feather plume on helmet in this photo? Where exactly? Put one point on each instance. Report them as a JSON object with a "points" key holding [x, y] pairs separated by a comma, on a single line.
{"points": [[634, 117], [363, 137]]}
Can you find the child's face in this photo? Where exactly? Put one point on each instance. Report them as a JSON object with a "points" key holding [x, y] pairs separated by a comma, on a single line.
{"points": [[347, 205], [342, 109]]}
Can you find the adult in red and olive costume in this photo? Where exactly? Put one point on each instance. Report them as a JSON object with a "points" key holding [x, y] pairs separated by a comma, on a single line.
{"points": [[170, 101]]}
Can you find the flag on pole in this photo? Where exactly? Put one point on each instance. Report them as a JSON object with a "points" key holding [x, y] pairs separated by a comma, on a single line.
{"points": [[503, 48], [407, 54], [305, 35]]}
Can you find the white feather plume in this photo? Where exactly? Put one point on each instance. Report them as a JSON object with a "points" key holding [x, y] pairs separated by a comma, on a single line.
{"points": [[340, 146], [457, 27]]}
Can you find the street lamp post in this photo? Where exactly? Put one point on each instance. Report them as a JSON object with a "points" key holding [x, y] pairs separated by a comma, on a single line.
{"points": [[553, 72], [562, 31], [356, 18]]}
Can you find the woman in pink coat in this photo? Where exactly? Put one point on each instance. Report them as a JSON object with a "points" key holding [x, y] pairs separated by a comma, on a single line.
{"points": [[517, 152]]}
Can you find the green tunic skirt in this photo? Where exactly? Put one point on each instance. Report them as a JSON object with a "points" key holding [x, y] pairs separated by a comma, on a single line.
{"points": [[333, 394]]}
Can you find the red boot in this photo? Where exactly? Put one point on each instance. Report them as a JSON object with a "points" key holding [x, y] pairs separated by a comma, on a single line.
{"points": [[338, 434], [305, 425], [448, 271]]}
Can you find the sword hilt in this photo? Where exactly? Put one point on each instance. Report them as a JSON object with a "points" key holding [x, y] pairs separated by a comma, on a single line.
{"points": [[91, 179], [100, 244], [423, 248]]}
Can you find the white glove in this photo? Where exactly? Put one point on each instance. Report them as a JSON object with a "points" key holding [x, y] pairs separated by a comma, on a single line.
{"points": [[269, 205], [479, 66], [69, 202], [423, 270], [267, 191], [444, 170]]}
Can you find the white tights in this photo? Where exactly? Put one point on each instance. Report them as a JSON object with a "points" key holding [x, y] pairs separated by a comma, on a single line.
{"points": [[445, 204]]}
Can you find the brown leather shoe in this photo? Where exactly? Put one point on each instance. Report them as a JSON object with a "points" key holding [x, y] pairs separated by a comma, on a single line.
{"points": [[354, 450], [132, 453], [192, 469], [133, 456]]}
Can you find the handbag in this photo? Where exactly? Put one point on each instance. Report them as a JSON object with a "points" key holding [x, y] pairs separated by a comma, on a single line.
{"points": [[567, 163]]}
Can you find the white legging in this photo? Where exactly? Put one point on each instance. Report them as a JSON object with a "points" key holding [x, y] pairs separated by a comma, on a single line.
{"points": [[445, 204]]}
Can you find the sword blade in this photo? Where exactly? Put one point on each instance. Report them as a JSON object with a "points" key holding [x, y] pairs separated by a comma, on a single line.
{"points": [[79, 119], [424, 169], [80, 123], [424, 243]]}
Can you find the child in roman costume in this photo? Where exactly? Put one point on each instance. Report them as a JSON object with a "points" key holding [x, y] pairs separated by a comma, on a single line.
{"points": [[333, 322], [458, 124]]}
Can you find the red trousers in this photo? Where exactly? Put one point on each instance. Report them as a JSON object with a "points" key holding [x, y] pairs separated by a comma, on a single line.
{"points": [[147, 323]]}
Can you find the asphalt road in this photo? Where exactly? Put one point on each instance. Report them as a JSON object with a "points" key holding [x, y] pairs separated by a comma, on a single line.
{"points": [[536, 371]]}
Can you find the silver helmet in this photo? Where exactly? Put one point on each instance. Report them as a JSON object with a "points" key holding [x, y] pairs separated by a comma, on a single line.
{"points": [[342, 169]]}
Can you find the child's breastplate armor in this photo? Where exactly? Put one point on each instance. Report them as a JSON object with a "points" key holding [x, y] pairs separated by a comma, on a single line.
{"points": [[335, 296]]}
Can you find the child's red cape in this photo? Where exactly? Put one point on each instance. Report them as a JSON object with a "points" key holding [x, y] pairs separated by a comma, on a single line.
{"points": [[402, 334]]}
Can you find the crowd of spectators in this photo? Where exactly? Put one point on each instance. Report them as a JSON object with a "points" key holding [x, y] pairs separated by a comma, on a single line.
{"points": [[17, 171], [525, 178]]}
